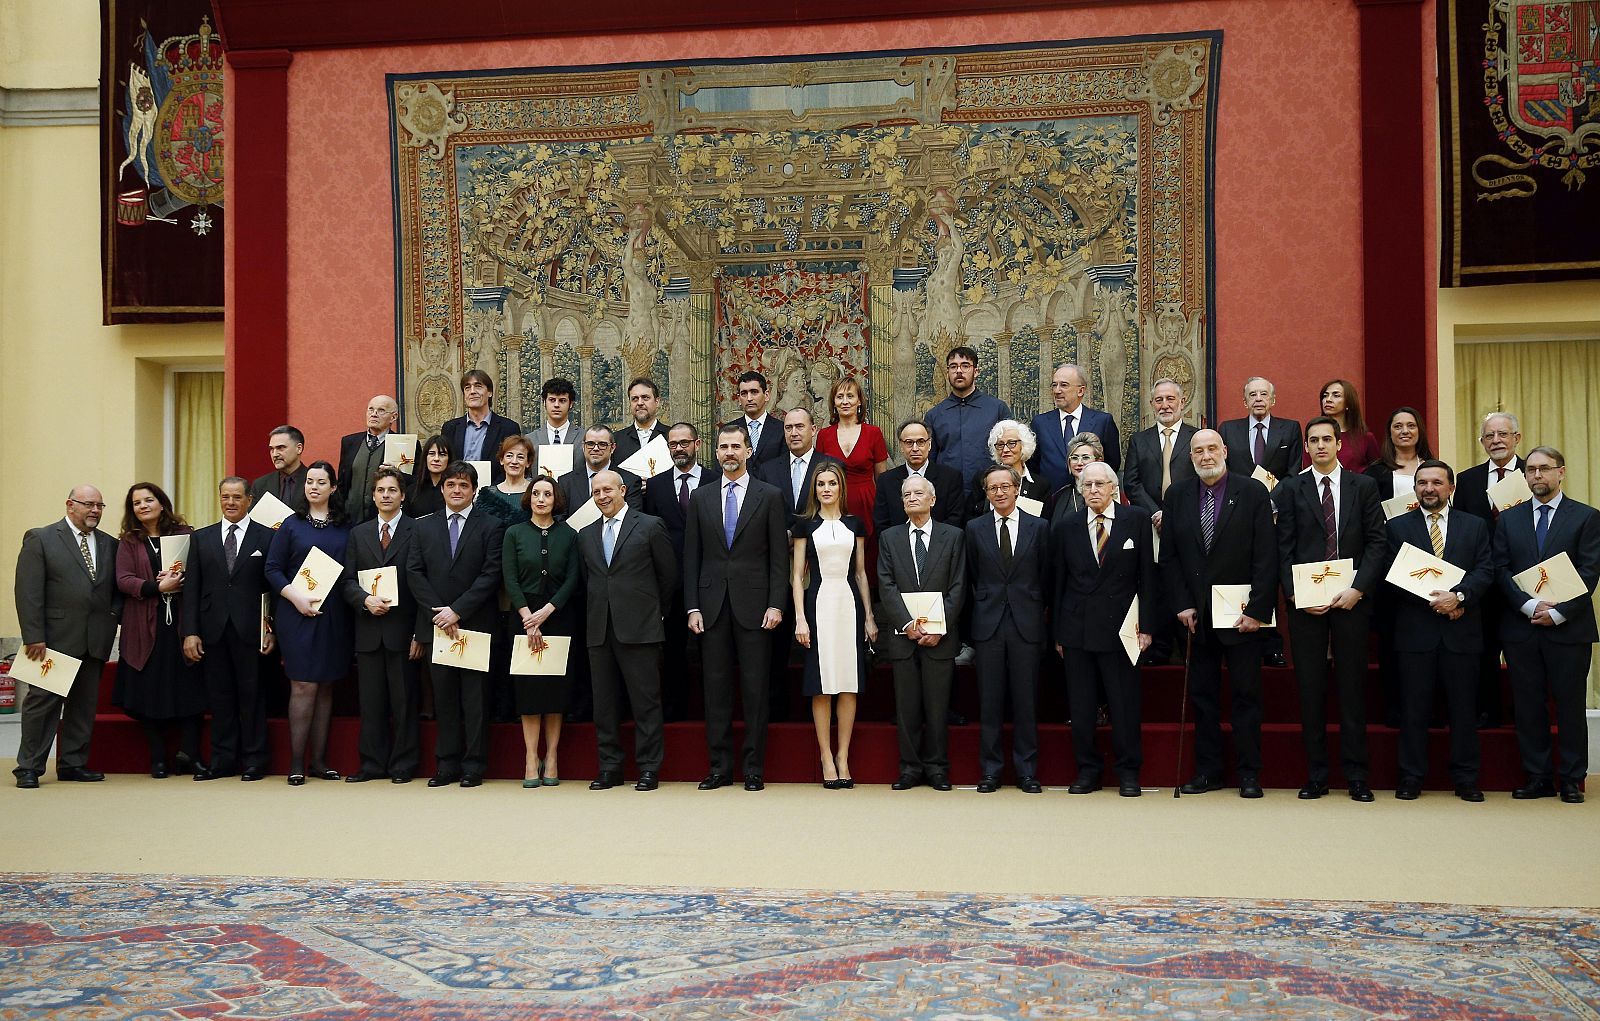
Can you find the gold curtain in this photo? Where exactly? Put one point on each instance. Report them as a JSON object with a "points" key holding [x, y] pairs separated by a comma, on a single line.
{"points": [[1549, 386], [197, 444]]}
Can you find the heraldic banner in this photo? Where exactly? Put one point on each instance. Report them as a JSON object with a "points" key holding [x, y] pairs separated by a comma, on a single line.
{"points": [[1520, 116], [810, 217], [161, 160]]}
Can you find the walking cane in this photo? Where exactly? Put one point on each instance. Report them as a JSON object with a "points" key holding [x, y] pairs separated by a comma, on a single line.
{"points": [[1183, 711]]}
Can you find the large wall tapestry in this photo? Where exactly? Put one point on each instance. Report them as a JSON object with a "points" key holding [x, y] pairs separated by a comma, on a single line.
{"points": [[1520, 122], [812, 218]]}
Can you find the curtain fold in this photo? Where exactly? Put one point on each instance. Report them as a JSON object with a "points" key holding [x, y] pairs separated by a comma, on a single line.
{"points": [[197, 444]]}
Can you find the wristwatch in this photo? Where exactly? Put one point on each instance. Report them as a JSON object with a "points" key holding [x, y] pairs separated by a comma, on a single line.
{"points": [[1461, 597]]}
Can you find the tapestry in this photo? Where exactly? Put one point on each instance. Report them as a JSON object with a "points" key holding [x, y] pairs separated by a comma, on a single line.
{"points": [[814, 218], [1519, 113], [161, 162], [114, 946]]}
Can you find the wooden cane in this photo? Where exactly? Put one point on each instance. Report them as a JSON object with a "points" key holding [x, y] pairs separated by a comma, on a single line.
{"points": [[1183, 711]]}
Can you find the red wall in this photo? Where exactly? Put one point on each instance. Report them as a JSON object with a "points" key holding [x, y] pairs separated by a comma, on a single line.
{"points": [[1288, 216]]}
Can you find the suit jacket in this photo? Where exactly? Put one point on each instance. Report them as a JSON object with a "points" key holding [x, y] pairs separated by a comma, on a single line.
{"points": [[468, 583], [1417, 628], [1362, 537], [776, 473], [295, 498], [1091, 599], [771, 445], [1034, 488], [1472, 488], [1050, 456], [754, 573], [1284, 446], [1141, 476], [628, 440], [58, 603], [945, 571], [1245, 552], [661, 501], [575, 484], [213, 596], [632, 592], [1575, 531], [500, 427], [949, 496], [1024, 589], [349, 447], [392, 631]]}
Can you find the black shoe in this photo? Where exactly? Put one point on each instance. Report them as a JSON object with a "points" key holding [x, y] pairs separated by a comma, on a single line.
{"points": [[362, 776], [1409, 790], [648, 780], [1274, 659], [1201, 784], [443, 781], [989, 784], [1028, 785], [1249, 786], [605, 781], [834, 785], [323, 774], [400, 778], [1359, 791], [1535, 789], [184, 764], [715, 780], [755, 783], [78, 774], [27, 780], [1468, 792], [158, 771], [939, 782], [202, 773], [1129, 788], [471, 780], [297, 779], [846, 783], [905, 783], [1571, 793], [954, 719], [1084, 785], [1313, 790], [252, 774]]}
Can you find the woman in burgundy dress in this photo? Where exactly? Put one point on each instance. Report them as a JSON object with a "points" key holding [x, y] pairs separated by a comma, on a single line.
{"points": [[860, 447], [1358, 448]]}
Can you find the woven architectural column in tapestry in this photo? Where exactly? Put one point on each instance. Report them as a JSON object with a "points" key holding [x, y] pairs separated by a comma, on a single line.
{"points": [[813, 218]]}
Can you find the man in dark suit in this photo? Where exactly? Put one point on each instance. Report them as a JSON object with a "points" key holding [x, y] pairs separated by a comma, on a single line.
{"points": [[558, 428], [1328, 513], [67, 602], [1008, 560], [916, 443], [477, 435], [287, 480], [628, 571], [599, 447], [1070, 417], [735, 572], [1261, 439], [453, 566], [1104, 560], [1159, 456], [361, 455], [1219, 532], [644, 402], [223, 586], [1548, 643], [1500, 435], [387, 650], [1437, 640], [921, 554], [666, 496], [764, 431]]}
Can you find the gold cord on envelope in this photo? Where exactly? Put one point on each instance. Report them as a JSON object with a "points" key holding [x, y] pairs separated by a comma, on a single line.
{"points": [[311, 583], [1327, 572], [1424, 573], [1544, 579], [45, 667], [459, 646]]}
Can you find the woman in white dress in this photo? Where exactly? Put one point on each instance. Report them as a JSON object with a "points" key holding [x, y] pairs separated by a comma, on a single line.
{"points": [[834, 623]]}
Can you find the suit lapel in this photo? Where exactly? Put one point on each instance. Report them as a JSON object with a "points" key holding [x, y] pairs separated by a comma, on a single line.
{"points": [[71, 542], [1226, 510], [628, 522], [745, 509], [401, 528], [461, 540]]}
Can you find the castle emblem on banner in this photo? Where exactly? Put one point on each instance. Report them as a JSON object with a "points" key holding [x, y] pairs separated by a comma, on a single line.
{"points": [[1541, 85], [172, 130]]}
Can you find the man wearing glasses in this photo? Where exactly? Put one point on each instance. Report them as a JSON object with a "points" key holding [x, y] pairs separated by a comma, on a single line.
{"points": [[67, 602], [1500, 435], [961, 422], [916, 444], [598, 446]]}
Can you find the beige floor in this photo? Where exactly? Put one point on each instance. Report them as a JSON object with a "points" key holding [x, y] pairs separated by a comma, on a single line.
{"points": [[1437, 849]]}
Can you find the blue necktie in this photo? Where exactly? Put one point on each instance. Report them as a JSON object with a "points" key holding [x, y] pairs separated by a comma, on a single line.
{"points": [[1542, 528], [610, 538], [755, 433], [730, 514], [797, 474], [455, 533]]}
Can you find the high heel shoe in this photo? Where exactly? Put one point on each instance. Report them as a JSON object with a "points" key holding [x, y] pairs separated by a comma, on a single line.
{"points": [[548, 777], [831, 785], [537, 780], [846, 784]]}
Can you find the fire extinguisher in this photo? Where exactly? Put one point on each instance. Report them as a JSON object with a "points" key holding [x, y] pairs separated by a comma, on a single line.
{"points": [[8, 689]]}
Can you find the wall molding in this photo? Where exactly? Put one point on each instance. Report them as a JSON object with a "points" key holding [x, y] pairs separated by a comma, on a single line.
{"points": [[49, 108]]}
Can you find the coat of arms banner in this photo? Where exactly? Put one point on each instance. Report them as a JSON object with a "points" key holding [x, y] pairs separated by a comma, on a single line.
{"points": [[1520, 117], [813, 218]]}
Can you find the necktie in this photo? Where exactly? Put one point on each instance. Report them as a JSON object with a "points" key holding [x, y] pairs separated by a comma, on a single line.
{"points": [[683, 493], [1543, 527], [1434, 536], [1166, 461], [1260, 451], [1330, 528], [1208, 520], [1069, 429], [1500, 474], [455, 533], [283, 486], [83, 547], [1100, 538], [797, 474], [755, 433], [730, 514], [557, 434], [1005, 543], [230, 549], [610, 538], [919, 553], [383, 535]]}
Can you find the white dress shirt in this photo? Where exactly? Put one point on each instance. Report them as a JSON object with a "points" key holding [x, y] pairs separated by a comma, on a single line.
{"points": [[1336, 476], [1111, 515], [741, 485], [1015, 517], [94, 554]]}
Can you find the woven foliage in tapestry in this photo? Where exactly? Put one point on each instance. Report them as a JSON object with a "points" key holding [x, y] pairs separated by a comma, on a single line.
{"points": [[814, 218]]}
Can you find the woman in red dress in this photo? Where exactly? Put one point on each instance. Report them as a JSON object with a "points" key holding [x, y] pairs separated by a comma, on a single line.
{"points": [[859, 445], [1358, 448]]}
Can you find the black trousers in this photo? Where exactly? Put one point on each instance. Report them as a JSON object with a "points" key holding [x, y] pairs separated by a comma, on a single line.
{"points": [[727, 648], [460, 705], [1421, 674], [388, 685], [1491, 700], [232, 672], [43, 711], [675, 661], [1104, 678], [1311, 636], [612, 667], [921, 707], [1008, 667], [1542, 670], [1205, 689]]}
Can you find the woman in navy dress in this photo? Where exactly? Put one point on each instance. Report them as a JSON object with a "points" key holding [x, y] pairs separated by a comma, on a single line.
{"points": [[314, 634]]}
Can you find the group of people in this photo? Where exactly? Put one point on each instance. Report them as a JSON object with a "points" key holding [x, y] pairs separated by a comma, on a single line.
{"points": [[995, 541]]}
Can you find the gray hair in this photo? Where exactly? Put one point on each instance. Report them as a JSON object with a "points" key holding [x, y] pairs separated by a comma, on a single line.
{"points": [[1030, 442], [1169, 381], [1260, 379], [916, 481], [1516, 426], [1103, 468], [1083, 377]]}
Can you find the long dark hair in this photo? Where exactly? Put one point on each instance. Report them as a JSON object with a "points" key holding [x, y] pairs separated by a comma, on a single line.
{"points": [[169, 522], [336, 514], [1424, 450], [423, 478], [1353, 422]]}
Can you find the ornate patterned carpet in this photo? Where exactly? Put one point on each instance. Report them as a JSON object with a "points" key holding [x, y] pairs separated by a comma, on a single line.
{"points": [[106, 946]]}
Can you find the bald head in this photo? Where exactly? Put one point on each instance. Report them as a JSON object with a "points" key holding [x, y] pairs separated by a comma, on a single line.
{"points": [[608, 490], [84, 507], [381, 414], [1209, 455]]}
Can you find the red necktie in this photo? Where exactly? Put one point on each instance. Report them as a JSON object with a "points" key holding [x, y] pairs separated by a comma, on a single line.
{"points": [[1329, 527], [383, 535]]}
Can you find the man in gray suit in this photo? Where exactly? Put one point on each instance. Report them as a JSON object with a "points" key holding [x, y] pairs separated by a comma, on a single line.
{"points": [[67, 601], [629, 569], [921, 555]]}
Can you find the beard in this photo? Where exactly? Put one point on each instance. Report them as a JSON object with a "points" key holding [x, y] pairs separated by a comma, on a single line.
{"points": [[1210, 475]]}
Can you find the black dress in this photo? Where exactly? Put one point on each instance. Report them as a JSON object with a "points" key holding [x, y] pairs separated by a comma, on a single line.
{"points": [[837, 660], [169, 687], [541, 566]]}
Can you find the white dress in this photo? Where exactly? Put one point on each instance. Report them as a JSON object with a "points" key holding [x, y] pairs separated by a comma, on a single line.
{"points": [[835, 624]]}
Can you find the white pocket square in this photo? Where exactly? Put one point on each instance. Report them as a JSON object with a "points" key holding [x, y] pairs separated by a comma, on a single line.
{"points": [[1128, 544], [257, 553]]}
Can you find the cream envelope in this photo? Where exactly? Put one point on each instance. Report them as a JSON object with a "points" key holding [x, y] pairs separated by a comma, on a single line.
{"points": [[1316, 584], [1421, 573], [927, 609], [270, 511], [1400, 503], [1555, 580], [555, 459], [485, 476], [583, 515], [650, 460], [1509, 491], [318, 575], [1228, 603], [383, 582], [54, 673], [266, 622], [468, 650], [1265, 477], [1129, 632], [1032, 506], [400, 450], [549, 661], [174, 552]]}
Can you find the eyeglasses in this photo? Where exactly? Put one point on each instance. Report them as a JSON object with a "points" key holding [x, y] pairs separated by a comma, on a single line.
{"points": [[1084, 457], [596, 444], [1007, 444], [86, 503], [1000, 487], [678, 444], [1096, 484], [1498, 434], [1543, 469], [921, 442]]}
